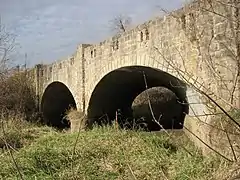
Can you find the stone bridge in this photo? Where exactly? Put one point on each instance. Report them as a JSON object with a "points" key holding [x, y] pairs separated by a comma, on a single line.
{"points": [[166, 51]]}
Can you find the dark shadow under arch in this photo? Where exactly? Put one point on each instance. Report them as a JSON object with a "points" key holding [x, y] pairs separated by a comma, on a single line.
{"points": [[119, 88], [56, 100]]}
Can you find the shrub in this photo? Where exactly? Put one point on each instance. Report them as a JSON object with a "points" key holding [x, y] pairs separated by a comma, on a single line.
{"points": [[17, 95], [15, 132]]}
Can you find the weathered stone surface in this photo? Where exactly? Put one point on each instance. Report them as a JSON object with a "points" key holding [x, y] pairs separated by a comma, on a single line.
{"points": [[164, 108], [155, 95]]}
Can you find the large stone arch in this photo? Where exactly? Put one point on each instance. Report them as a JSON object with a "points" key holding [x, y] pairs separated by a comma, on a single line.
{"points": [[118, 88], [56, 100]]}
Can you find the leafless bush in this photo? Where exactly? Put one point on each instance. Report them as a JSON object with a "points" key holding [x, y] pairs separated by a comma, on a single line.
{"points": [[17, 95], [16, 92]]}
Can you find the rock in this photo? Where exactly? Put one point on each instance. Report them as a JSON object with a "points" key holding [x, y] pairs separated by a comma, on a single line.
{"points": [[167, 111]]}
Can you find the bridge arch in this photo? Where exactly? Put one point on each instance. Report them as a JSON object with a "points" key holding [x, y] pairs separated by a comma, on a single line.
{"points": [[119, 88], [56, 100]]}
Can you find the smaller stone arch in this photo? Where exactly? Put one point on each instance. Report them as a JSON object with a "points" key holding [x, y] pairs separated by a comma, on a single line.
{"points": [[56, 100]]}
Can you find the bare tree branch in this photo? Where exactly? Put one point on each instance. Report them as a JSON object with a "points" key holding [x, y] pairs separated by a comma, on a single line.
{"points": [[121, 23], [7, 44]]}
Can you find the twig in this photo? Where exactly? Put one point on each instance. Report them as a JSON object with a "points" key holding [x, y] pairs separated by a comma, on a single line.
{"points": [[230, 143], [5, 142], [199, 89], [75, 144], [208, 124], [11, 155], [199, 137], [131, 171], [153, 116], [207, 145], [220, 107], [202, 92]]}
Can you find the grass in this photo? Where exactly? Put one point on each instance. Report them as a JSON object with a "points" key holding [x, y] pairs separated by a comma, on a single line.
{"points": [[17, 133], [42, 152], [108, 153]]}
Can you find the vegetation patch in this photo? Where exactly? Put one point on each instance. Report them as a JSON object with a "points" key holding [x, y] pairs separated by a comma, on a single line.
{"points": [[108, 153], [16, 132]]}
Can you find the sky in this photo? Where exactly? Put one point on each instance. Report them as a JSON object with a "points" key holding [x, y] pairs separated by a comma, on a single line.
{"points": [[49, 30]]}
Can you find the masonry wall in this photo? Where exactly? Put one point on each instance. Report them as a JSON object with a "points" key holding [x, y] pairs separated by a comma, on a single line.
{"points": [[68, 71], [181, 39], [190, 39], [190, 44]]}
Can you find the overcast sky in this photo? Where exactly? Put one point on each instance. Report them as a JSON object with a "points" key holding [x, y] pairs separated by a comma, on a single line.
{"points": [[48, 30]]}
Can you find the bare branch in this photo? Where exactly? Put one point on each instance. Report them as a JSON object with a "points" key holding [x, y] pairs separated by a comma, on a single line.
{"points": [[230, 143], [7, 44], [121, 23], [153, 116], [207, 145]]}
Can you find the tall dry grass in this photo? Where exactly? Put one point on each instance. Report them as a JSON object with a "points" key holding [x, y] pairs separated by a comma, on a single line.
{"points": [[77, 120]]}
